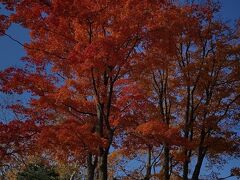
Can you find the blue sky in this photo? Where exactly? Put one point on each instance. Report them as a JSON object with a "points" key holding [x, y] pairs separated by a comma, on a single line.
{"points": [[11, 52], [230, 9]]}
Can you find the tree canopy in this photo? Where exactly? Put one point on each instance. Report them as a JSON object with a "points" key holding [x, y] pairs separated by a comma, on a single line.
{"points": [[123, 89], [37, 172]]}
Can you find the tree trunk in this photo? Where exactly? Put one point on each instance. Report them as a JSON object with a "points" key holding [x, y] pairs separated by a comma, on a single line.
{"points": [[102, 173], [186, 132], [166, 163], [103, 165], [185, 167], [90, 168], [148, 165], [198, 166]]}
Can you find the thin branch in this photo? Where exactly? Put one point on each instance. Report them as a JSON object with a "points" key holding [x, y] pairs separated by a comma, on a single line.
{"points": [[35, 49], [81, 112]]}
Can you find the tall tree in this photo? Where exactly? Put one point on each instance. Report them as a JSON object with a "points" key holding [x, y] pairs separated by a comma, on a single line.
{"points": [[78, 53], [157, 80], [193, 82]]}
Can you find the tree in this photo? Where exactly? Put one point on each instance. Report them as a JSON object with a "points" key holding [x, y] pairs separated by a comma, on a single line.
{"points": [[97, 41], [194, 86], [37, 172], [152, 80]]}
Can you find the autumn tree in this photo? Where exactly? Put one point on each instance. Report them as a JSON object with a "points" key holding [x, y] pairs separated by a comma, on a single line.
{"points": [[153, 79], [79, 52], [194, 84], [38, 172]]}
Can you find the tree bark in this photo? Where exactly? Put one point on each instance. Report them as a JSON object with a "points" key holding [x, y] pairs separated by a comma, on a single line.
{"points": [[103, 166], [102, 158], [201, 154], [186, 132], [90, 168], [148, 165], [197, 168], [166, 163], [185, 167]]}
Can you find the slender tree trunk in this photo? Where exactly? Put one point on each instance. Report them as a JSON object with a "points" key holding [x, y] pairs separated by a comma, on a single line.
{"points": [[198, 166], [90, 168], [185, 167], [201, 154], [148, 165], [166, 163], [103, 151], [186, 162], [186, 133], [103, 121], [103, 154], [103, 165]]}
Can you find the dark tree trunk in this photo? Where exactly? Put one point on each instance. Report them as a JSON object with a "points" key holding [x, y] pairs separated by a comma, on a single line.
{"points": [[103, 128], [166, 163], [185, 167], [197, 169], [103, 154], [148, 165], [186, 133], [103, 165], [198, 166], [90, 168], [201, 154]]}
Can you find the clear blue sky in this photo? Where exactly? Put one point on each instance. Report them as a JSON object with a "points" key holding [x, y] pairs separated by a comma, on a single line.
{"points": [[11, 52], [230, 9]]}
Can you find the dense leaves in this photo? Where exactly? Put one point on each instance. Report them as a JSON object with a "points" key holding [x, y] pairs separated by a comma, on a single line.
{"points": [[153, 85], [37, 172]]}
